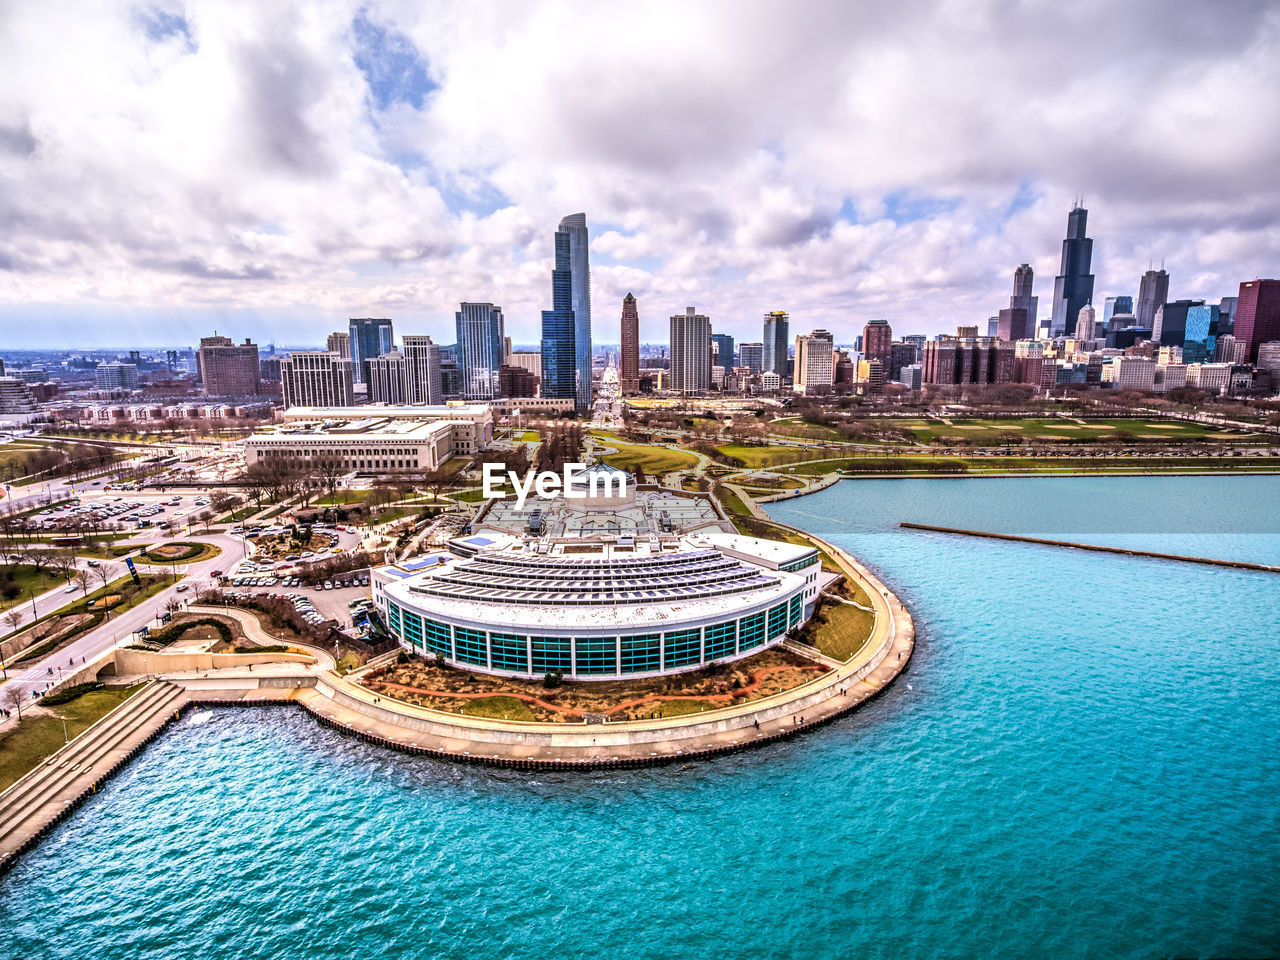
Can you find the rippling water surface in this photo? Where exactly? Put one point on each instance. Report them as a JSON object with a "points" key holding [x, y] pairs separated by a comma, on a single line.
{"points": [[1082, 761]]}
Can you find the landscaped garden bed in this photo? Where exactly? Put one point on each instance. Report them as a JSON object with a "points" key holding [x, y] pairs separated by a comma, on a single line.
{"points": [[439, 687]]}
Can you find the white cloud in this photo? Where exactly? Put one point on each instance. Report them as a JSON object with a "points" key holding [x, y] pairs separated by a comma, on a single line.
{"points": [[242, 164]]}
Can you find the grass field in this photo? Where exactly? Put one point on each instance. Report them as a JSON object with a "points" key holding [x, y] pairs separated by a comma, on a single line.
{"points": [[979, 466], [651, 460], [766, 456], [35, 738], [846, 631], [27, 580], [1049, 429]]}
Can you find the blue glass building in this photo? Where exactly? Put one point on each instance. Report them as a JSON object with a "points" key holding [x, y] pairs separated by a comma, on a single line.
{"points": [[1199, 337], [479, 349], [724, 347], [566, 327], [370, 338]]}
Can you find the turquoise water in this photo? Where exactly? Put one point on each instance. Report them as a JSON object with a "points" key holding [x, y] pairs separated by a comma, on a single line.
{"points": [[1082, 761]]}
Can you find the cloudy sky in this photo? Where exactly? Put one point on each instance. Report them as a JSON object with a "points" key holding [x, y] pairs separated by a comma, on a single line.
{"points": [[270, 169]]}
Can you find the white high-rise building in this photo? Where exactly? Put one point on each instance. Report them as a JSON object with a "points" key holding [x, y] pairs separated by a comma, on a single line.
{"points": [[388, 378], [422, 370], [691, 353], [481, 351], [815, 362], [316, 379]]}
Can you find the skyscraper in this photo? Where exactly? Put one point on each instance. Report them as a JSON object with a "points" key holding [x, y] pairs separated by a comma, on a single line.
{"points": [[481, 337], [751, 356], [629, 375], [1013, 324], [776, 330], [566, 327], [1153, 293], [1073, 286], [815, 362], [1114, 305], [370, 337], [722, 347], [877, 342], [1023, 280], [423, 382], [1087, 323], [691, 353], [1257, 315]]}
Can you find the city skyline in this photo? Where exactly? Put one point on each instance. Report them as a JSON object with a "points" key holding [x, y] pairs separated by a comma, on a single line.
{"points": [[370, 168]]}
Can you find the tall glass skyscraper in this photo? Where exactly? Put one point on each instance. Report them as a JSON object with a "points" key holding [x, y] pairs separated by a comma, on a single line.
{"points": [[723, 344], [370, 337], [777, 326], [566, 327], [1073, 286], [1113, 305], [480, 349]]}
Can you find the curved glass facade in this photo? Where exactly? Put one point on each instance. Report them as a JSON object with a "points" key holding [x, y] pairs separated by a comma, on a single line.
{"points": [[593, 657]]}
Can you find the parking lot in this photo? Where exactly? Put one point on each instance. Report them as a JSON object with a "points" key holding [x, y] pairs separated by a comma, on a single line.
{"points": [[334, 604]]}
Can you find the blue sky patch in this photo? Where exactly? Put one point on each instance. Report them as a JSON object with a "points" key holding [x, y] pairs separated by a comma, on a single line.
{"points": [[392, 66]]}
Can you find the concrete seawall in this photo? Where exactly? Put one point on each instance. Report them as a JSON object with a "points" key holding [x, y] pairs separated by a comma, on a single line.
{"points": [[1126, 551]]}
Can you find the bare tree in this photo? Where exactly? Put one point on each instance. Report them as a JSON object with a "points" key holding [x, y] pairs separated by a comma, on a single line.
{"points": [[14, 619], [81, 579], [102, 573], [13, 697]]}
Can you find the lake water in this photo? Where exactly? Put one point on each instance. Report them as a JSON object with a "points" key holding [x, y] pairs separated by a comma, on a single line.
{"points": [[1082, 761]]}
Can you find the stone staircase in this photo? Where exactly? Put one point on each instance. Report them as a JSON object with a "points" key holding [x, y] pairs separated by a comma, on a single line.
{"points": [[35, 804]]}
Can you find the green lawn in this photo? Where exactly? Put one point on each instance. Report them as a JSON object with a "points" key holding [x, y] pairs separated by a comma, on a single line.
{"points": [[196, 551], [768, 456], [846, 631], [498, 708], [35, 738], [25, 579], [1051, 429], [650, 459]]}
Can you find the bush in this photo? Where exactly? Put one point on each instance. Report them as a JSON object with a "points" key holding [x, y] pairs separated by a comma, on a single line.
{"points": [[403, 658], [172, 632], [552, 679], [272, 648], [69, 694]]}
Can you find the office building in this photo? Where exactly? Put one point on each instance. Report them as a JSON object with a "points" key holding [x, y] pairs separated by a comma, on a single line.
{"points": [[388, 378], [751, 356], [1113, 305], [117, 376], [901, 355], [911, 376], [877, 342], [1210, 377], [629, 374], [1269, 357], [369, 337], [1022, 299], [480, 350], [1073, 286], [1086, 324], [1013, 324], [722, 349], [228, 369], [424, 382], [16, 397], [317, 378], [339, 343], [871, 375], [1153, 293], [566, 327], [1257, 317], [690, 353], [815, 363], [776, 332], [1129, 373], [516, 381]]}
